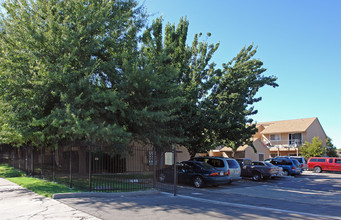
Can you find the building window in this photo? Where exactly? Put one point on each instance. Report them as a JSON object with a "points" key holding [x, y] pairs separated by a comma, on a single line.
{"points": [[275, 137], [295, 139], [261, 157]]}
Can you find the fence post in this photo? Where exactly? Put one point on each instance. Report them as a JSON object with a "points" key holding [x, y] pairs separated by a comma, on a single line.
{"points": [[42, 162], [175, 171], [17, 152], [70, 166], [53, 165], [32, 161], [90, 166], [26, 161], [154, 167]]}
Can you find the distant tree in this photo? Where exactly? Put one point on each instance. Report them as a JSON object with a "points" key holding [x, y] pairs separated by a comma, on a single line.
{"points": [[313, 149], [330, 148]]}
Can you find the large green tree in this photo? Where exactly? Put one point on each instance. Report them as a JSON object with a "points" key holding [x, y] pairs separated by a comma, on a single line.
{"points": [[151, 92], [230, 103], [61, 68], [195, 72], [217, 103], [84, 71]]}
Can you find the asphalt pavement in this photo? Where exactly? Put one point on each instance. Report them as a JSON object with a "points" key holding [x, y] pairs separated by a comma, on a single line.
{"points": [[242, 200]]}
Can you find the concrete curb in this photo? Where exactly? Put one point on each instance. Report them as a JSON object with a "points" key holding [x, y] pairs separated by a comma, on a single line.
{"points": [[103, 194]]}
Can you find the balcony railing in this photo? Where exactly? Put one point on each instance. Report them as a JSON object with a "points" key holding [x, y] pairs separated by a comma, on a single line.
{"points": [[284, 143]]}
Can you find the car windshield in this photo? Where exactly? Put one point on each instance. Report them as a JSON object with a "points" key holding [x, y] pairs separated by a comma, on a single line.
{"points": [[269, 164], [233, 163]]}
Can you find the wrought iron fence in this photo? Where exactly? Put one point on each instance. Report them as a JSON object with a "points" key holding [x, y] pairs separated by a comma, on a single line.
{"points": [[94, 169]]}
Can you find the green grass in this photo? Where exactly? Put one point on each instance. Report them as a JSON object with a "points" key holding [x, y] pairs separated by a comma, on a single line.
{"points": [[6, 172], [42, 187]]}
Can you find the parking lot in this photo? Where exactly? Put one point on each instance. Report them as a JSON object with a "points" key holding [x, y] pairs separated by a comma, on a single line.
{"points": [[309, 196]]}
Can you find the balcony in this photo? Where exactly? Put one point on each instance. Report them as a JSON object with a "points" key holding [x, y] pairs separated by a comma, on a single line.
{"points": [[292, 143]]}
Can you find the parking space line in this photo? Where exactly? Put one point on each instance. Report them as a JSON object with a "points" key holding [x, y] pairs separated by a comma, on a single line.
{"points": [[237, 205]]}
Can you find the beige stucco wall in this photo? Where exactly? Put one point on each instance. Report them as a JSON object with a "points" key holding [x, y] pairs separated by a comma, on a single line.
{"points": [[261, 149], [184, 155], [316, 130], [139, 161]]}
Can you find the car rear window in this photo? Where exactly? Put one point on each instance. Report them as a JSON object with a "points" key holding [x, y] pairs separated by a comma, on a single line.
{"points": [[299, 159], [212, 161], [296, 162], [233, 163], [205, 166], [216, 162]]}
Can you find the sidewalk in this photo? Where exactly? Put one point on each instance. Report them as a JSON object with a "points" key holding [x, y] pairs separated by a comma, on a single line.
{"points": [[17, 202]]}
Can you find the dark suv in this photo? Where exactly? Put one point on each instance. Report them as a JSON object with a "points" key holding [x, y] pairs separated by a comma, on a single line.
{"points": [[290, 166]]}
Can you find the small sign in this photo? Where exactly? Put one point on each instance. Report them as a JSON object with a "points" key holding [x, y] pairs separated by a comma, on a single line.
{"points": [[169, 158]]}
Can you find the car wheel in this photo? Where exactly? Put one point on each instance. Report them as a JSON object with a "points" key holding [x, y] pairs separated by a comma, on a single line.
{"points": [[256, 176], [285, 173], [198, 182], [162, 177], [317, 170]]}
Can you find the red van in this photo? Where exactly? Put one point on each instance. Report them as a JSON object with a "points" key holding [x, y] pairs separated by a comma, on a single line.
{"points": [[319, 164]]}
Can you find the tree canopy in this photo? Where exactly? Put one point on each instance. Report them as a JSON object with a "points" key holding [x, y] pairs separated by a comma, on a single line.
{"points": [[313, 149], [330, 148], [94, 71]]}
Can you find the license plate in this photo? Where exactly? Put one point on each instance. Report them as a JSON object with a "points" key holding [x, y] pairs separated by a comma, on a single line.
{"points": [[221, 173]]}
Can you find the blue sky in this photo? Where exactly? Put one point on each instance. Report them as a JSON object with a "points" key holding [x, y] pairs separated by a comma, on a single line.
{"points": [[299, 41]]}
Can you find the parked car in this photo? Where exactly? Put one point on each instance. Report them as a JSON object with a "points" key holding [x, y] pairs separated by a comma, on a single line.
{"points": [[277, 171], [229, 165], [194, 172], [290, 166], [256, 172], [319, 164], [302, 161]]}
